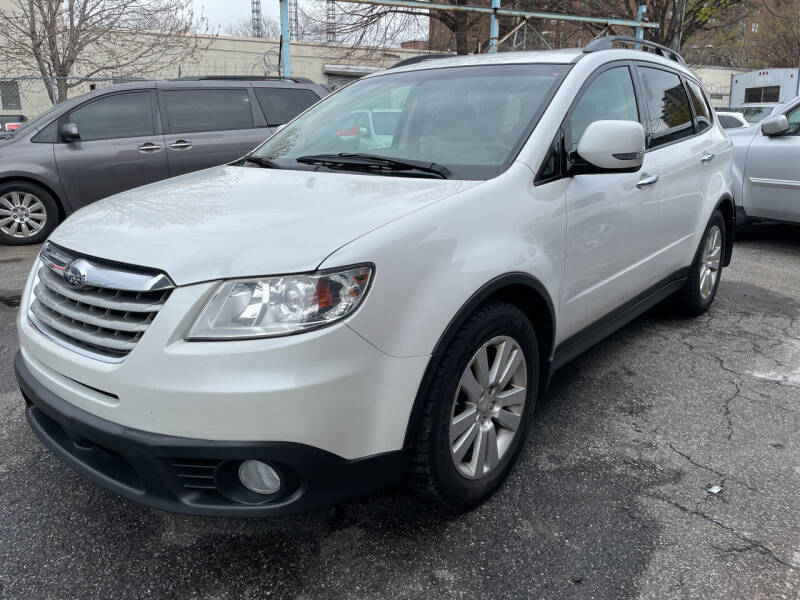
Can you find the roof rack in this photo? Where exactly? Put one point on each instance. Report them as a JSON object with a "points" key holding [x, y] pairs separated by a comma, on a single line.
{"points": [[243, 78], [607, 42], [418, 59]]}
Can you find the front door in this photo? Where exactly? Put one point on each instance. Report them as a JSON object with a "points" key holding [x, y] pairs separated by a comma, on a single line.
{"points": [[772, 174], [119, 147], [612, 218]]}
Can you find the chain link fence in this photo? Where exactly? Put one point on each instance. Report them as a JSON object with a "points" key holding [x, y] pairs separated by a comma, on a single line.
{"points": [[29, 96]]}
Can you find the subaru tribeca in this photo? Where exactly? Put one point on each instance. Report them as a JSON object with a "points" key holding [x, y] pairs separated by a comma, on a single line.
{"points": [[346, 308]]}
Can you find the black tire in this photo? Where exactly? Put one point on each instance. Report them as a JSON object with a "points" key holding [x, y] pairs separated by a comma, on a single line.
{"points": [[50, 206], [433, 472], [691, 302]]}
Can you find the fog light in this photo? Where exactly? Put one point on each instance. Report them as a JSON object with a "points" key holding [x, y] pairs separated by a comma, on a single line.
{"points": [[259, 477]]}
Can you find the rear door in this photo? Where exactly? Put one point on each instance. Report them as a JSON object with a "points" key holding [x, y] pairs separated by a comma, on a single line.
{"points": [[680, 151], [772, 173], [120, 147], [208, 126], [612, 218]]}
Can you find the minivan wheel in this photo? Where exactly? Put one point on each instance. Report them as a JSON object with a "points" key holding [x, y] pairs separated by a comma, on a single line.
{"points": [[28, 213], [477, 409], [704, 276]]}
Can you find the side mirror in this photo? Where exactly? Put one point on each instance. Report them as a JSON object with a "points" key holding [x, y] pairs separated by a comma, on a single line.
{"points": [[69, 132], [775, 125], [612, 146]]}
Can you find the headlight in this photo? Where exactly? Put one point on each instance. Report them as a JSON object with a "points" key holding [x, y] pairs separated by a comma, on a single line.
{"points": [[273, 306]]}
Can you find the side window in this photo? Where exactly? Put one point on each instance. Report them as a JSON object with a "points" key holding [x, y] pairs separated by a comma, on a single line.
{"points": [[701, 111], [48, 135], [670, 116], [610, 96], [728, 122], [118, 116], [208, 110], [281, 105], [794, 122], [551, 165]]}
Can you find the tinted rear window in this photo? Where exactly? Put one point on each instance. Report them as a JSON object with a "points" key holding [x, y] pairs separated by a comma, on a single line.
{"points": [[729, 122], [281, 105], [208, 110]]}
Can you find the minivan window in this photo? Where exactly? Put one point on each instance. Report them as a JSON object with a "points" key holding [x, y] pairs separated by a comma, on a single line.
{"points": [[208, 110], [115, 116], [470, 120], [281, 105], [670, 115], [701, 111], [610, 96]]}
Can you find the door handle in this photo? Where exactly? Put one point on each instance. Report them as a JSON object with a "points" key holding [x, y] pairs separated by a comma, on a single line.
{"points": [[646, 181], [181, 145], [707, 158], [150, 147]]}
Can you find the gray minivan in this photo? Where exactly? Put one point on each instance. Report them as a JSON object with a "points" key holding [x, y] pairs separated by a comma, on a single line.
{"points": [[128, 135]]}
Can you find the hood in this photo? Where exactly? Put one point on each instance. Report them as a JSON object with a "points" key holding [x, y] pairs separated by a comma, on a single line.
{"points": [[239, 221]]}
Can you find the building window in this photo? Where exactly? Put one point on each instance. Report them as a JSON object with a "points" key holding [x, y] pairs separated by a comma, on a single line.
{"points": [[9, 95], [754, 27], [762, 94]]}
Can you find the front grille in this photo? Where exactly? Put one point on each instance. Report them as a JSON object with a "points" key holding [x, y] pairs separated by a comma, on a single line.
{"points": [[102, 316]]}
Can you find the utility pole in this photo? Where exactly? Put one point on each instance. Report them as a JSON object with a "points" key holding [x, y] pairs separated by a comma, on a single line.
{"points": [[286, 60], [680, 12]]}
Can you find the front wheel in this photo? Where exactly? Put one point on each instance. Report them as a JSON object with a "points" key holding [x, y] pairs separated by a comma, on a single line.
{"points": [[706, 270], [477, 409], [28, 213]]}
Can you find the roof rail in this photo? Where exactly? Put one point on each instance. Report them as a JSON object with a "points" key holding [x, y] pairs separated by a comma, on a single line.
{"points": [[607, 42], [243, 78], [418, 59]]}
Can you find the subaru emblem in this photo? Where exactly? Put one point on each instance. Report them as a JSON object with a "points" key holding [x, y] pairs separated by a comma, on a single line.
{"points": [[74, 276]]}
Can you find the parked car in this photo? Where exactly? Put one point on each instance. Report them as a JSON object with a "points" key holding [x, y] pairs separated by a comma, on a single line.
{"points": [[313, 321], [732, 120], [753, 113], [11, 122], [124, 136], [765, 169]]}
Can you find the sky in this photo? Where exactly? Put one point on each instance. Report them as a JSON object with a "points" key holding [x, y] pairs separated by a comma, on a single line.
{"points": [[230, 12]]}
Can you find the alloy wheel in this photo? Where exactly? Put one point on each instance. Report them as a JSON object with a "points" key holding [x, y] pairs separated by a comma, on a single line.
{"points": [[710, 262], [22, 214], [488, 407]]}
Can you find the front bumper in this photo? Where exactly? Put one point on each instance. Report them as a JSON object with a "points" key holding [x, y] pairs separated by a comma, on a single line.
{"points": [[196, 476]]}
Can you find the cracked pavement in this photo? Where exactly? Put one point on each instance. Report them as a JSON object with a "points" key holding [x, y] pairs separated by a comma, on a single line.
{"points": [[608, 500]]}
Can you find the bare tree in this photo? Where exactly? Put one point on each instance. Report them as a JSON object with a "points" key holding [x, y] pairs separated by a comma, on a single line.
{"points": [[380, 26], [270, 27], [781, 45], [70, 41]]}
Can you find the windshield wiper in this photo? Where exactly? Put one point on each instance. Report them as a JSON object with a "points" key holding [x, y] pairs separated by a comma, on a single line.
{"points": [[345, 160], [261, 162]]}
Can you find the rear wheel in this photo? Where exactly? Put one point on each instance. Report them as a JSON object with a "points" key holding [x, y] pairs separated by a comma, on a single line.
{"points": [[478, 407], [28, 213], [704, 276]]}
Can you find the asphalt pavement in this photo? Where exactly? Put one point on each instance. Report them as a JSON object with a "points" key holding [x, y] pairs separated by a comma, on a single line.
{"points": [[610, 497]]}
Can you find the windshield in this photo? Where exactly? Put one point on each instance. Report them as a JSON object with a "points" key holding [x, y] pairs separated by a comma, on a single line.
{"points": [[753, 114], [470, 120]]}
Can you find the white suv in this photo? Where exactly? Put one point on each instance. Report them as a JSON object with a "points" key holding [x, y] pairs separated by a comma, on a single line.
{"points": [[315, 321]]}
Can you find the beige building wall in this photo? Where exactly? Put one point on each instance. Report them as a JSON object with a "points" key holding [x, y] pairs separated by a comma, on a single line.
{"points": [[717, 81], [322, 63]]}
